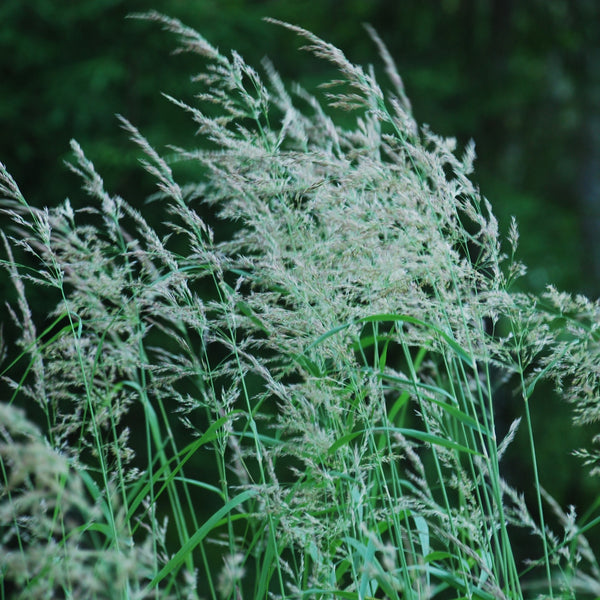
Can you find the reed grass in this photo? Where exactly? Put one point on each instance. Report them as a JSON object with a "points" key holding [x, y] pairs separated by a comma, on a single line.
{"points": [[306, 408]]}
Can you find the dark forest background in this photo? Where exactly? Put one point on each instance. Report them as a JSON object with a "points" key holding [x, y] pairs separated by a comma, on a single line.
{"points": [[520, 78]]}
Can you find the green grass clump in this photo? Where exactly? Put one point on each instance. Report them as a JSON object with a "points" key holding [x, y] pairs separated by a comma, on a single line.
{"points": [[305, 408]]}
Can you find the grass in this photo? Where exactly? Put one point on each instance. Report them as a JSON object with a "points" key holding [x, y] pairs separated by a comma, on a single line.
{"points": [[305, 409]]}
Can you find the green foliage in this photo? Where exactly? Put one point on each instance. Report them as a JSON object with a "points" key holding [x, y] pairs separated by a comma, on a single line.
{"points": [[336, 361]]}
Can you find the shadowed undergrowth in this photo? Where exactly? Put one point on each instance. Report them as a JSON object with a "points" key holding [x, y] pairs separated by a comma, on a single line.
{"points": [[305, 409]]}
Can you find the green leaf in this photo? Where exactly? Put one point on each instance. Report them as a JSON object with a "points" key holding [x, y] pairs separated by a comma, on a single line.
{"points": [[245, 309], [179, 558], [337, 593], [437, 555], [408, 319], [414, 433], [345, 439], [433, 439], [181, 458], [393, 317], [450, 408]]}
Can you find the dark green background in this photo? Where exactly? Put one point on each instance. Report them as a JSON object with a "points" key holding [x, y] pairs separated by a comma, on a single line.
{"points": [[520, 78]]}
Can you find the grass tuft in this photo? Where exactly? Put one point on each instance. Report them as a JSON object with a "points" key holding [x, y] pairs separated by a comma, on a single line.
{"points": [[306, 408]]}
